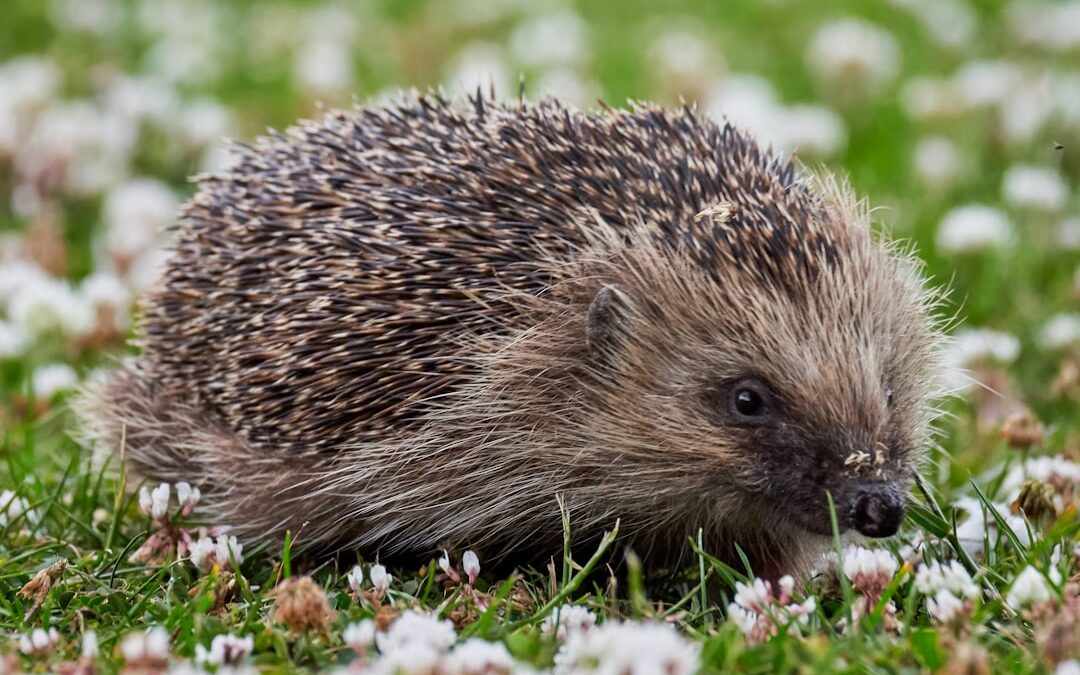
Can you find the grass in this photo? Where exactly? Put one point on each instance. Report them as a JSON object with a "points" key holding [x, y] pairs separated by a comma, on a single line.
{"points": [[90, 517]]}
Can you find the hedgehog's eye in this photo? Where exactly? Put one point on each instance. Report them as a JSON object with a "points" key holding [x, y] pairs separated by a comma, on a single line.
{"points": [[889, 397], [750, 400]]}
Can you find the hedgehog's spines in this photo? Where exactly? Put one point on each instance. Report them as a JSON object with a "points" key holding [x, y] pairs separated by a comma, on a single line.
{"points": [[382, 318]]}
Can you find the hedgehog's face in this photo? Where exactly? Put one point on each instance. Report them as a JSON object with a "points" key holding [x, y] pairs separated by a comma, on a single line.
{"points": [[776, 400]]}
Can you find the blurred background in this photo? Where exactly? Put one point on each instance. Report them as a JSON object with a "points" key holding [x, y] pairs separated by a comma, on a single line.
{"points": [[959, 120]]}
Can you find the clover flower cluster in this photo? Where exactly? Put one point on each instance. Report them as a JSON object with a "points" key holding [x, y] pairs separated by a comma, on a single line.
{"points": [[950, 590], [205, 549], [378, 576], [871, 571], [760, 613]]}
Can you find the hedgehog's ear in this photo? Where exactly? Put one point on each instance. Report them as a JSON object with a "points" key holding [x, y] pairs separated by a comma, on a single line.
{"points": [[608, 320]]}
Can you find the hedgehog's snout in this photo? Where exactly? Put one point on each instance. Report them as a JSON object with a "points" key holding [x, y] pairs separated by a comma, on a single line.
{"points": [[877, 509]]}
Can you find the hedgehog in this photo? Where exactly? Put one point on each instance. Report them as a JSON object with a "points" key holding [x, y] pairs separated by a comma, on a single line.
{"points": [[446, 322]]}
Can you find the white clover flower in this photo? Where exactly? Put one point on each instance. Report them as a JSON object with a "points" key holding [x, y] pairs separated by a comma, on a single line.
{"points": [[853, 52], [979, 526], [17, 274], [204, 122], [187, 495], [760, 614], [870, 564], [444, 562], [155, 502], [628, 648], [952, 23], [89, 645], [203, 552], [1045, 469], [478, 657], [557, 38], [812, 129], [974, 345], [224, 545], [683, 59], [1054, 26], [567, 85], [380, 578], [91, 146], [136, 213], [945, 607], [12, 341], [936, 161], [225, 650], [980, 84], [1035, 188], [324, 67], [1069, 667], [755, 595], [356, 578], [149, 646], [1068, 233], [973, 227], [952, 577], [480, 65], [414, 631], [566, 620], [104, 292], [359, 636], [45, 304], [136, 98], [1060, 331], [53, 378], [1030, 587], [419, 659], [39, 641], [751, 102], [11, 507], [471, 564]]}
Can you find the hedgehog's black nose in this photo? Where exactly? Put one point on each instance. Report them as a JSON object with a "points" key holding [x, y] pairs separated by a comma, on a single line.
{"points": [[878, 510]]}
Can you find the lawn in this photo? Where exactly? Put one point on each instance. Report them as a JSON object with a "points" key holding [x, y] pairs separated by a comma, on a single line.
{"points": [[958, 120]]}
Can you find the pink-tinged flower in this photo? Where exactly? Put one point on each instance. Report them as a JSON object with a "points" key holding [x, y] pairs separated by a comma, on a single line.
{"points": [[760, 614], [206, 552], [380, 579], [225, 650], [566, 620], [146, 650], [187, 496], [356, 578], [39, 642], [870, 571], [447, 568], [155, 503], [471, 564], [359, 636]]}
